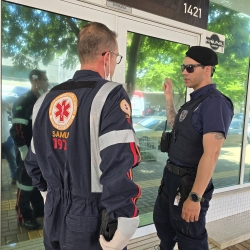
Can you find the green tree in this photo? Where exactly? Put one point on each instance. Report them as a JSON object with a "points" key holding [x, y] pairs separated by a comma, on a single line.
{"points": [[157, 58], [30, 36], [232, 72]]}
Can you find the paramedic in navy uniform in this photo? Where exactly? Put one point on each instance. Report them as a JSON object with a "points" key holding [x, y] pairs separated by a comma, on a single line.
{"points": [[198, 131], [29, 203], [83, 150]]}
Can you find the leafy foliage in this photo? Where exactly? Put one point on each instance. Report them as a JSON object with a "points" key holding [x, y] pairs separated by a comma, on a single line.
{"points": [[232, 72], [30, 36], [159, 58]]}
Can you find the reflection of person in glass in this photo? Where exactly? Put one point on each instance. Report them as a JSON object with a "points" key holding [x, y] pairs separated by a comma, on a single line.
{"points": [[83, 151], [7, 143], [198, 131], [21, 132]]}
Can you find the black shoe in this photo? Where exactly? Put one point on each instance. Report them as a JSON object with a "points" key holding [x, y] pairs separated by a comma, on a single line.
{"points": [[30, 224]]}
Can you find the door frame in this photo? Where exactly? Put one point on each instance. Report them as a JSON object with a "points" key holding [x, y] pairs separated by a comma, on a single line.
{"points": [[158, 31], [139, 22]]}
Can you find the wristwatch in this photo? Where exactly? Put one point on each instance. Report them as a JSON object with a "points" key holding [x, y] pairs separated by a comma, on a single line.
{"points": [[195, 197]]}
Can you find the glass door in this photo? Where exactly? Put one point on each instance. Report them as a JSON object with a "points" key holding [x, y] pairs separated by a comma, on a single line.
{"points": [[43, 35], [152, 52]]}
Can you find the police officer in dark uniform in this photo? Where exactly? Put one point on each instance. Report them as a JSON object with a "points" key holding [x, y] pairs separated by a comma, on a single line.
{"points": [[21, 132], [83, 151], [198, 131]]}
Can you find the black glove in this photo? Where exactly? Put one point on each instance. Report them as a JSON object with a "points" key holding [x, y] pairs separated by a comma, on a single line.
{"points": [[108, 226]]}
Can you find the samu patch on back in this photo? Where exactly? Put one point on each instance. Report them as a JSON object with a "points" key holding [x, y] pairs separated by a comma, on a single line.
{"points": [[62, 110]]}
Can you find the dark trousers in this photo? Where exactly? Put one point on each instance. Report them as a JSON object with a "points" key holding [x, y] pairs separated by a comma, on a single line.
{"points": [[71, 224], [23, 207], [9, 153], [27, 196], [170, 226]]}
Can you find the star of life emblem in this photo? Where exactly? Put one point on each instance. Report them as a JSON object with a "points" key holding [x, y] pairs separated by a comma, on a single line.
{"points": [[183, 115], [125, 107], [62, 110]]}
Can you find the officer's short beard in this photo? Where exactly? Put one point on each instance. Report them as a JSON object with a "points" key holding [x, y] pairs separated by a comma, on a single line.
{"points": [[105, 74]]}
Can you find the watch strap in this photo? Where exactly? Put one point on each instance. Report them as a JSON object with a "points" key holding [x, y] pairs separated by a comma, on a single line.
{"points": [[200, 199]]}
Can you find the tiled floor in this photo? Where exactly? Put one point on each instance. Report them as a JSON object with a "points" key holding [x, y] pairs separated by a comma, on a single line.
{"points": [[15, 237]]}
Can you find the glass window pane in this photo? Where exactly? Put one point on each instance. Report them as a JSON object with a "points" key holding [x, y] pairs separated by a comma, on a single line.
{"points": [[31, 38], [247, 156], [156, 59], [231, 77]]}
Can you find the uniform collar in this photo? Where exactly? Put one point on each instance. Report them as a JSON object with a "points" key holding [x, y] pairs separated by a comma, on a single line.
{"points": [[202, 91], [79, 74]]}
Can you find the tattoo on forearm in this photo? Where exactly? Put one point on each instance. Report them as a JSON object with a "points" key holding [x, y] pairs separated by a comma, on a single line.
{"points": [[219, 136], [171, 113]]}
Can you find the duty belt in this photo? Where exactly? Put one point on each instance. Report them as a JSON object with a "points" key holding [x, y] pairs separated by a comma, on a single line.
{"points": [[180, 171]]}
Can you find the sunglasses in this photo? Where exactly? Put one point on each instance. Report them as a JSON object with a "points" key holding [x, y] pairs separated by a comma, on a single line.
{"points": [[190, 67]]}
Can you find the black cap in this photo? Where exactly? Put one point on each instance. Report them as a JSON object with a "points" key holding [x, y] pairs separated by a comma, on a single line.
{"points": [[203, 55]]}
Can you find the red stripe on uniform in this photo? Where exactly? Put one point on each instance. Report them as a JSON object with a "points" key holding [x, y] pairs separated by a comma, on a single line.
{"points": [[130, 174], [134, 201], [133, 150]]}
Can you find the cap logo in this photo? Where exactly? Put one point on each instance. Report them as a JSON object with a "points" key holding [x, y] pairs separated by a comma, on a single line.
{"points": [[183, 115], [62, 110]]}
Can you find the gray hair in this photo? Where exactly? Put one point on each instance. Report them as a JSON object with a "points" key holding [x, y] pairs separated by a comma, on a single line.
{"points": [[93, 40]]}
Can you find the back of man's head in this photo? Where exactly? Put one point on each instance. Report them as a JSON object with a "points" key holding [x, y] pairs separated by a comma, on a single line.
{"points": [[93, 40], [36, 74]]}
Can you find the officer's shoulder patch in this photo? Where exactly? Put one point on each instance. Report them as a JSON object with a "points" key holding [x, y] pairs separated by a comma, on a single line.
{"points": [[125, 107], [62, 110]]}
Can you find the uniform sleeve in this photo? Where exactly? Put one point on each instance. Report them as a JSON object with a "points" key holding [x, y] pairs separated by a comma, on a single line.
{"points": [[119, 153], [215, 116], [34, 171], [20, 120], [31, 163]]}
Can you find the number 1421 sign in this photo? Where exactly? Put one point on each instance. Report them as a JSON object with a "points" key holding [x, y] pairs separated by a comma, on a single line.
{"points": [[193, 12]]}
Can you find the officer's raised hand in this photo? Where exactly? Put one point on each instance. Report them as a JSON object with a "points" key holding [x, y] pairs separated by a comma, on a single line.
{"points": [[190, 210], [168, 88]]}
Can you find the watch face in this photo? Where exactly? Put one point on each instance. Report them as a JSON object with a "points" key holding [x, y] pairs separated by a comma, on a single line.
{"points": [[194, 197]]}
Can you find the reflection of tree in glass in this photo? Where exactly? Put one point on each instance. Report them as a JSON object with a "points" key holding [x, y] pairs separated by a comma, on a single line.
{"points": [[30, 36], [150, 60], [232, 72], [156, 59]]}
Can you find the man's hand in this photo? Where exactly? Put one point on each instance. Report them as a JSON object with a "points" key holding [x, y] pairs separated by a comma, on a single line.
{"points": [[190, 210], [168, 88]]}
